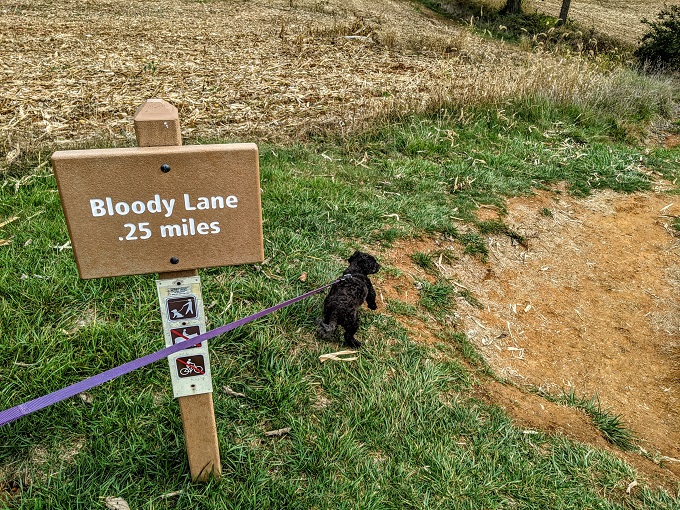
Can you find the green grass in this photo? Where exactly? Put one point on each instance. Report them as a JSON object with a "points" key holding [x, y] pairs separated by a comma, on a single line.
{"points": [[423, 260], [497, 227], [608, 423], [436, 297], [399, 428]]}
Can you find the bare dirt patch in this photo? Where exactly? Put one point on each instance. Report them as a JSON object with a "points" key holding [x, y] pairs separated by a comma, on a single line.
{"points": [[592, 305]]}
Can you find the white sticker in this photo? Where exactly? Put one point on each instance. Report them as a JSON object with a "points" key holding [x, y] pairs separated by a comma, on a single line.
{"points": [[183, 319]]}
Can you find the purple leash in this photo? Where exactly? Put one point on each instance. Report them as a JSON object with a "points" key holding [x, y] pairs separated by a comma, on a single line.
{"points": [[14, 413]]}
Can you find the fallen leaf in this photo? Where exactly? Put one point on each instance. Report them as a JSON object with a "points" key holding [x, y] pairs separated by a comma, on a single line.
{"points": [[278, 432], [86, 397], [172, 494], [231, 392], [14, 218], [303, 277], [6, 242], [116, 503], [24, 276], [62, 247], [335, 356]]}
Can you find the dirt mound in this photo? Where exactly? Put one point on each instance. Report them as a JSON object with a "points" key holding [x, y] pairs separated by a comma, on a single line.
{"points": [[589, 305]]}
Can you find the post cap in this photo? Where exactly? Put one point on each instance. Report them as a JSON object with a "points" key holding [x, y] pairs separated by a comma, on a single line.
{"points": [[156, 109], [157, 124]]}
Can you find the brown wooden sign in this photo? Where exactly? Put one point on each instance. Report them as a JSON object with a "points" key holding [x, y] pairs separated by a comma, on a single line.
{"points": [[158, 209]]}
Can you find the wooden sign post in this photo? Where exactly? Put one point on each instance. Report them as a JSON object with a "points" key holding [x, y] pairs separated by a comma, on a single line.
{"points": [[168, 209], [157, 125]]}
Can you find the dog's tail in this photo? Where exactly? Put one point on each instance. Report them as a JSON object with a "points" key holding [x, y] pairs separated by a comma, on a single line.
{"points": [[325, 331]]}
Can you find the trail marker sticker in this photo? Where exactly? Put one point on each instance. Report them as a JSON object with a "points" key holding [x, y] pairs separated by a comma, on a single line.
{"points": [[185, 333], [182, 314], [181, 308], [191, 366]]}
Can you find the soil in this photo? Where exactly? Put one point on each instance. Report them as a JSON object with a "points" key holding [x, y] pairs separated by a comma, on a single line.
{"points": [[589, 304]]}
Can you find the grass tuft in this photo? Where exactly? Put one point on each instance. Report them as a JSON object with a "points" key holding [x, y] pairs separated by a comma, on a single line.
{"points": [[422, 260], [609, 424], [496, 227], [474, 245], [676, 224], [436, 297]]}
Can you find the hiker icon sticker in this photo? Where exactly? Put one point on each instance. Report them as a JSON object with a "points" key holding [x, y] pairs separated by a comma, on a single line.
{"points": [[181, 308], [190, 366], [185, 333]]}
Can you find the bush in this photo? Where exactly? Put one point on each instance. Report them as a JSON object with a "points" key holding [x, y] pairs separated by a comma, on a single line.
{"points": [[660, 47]]}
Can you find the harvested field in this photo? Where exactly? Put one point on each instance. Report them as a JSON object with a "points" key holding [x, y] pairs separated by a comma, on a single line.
{"points": [[74, 72]]}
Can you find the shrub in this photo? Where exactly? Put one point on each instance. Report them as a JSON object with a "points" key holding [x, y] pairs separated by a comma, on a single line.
{"points": [[660, 47]]}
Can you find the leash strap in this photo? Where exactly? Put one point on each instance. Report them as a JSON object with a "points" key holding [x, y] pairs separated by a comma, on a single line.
{"points": [[14, 413]]}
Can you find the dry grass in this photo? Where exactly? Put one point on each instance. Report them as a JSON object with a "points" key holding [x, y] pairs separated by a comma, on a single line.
{"points": [[277, 70], [618, 18]]}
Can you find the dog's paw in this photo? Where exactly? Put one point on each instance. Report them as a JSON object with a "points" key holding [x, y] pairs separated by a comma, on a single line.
{"points": [[354, 344], [372, 306]]}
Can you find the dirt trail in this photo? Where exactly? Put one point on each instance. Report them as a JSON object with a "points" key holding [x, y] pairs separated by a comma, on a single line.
{"points": [[592, 305]]}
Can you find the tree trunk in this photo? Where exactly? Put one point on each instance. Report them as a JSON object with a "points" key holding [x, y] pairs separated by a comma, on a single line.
{"points": [[512, 7], [564, 12]]}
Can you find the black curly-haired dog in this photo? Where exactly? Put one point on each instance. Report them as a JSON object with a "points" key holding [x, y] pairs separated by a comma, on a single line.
{"points": [[341, 306]]}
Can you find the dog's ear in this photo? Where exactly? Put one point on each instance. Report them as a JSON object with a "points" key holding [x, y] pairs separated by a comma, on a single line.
{"points": [[353, 257]]}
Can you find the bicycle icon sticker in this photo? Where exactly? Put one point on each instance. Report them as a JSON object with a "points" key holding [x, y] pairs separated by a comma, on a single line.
{"points": [[190, 366], [181, 308], [185, 333]]}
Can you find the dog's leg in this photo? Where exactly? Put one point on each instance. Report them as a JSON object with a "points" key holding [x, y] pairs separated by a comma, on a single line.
{"points": [[351, 326], [370, 297], [327, 325]]}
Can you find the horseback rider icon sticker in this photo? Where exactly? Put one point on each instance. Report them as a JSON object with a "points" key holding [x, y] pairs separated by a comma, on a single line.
{"points": [[185, 333]]}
